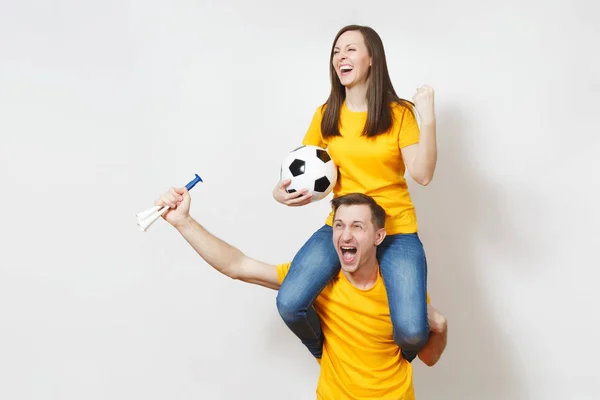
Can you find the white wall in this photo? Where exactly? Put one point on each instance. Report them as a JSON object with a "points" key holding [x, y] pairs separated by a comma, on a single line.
{"points": [[105, 104]]}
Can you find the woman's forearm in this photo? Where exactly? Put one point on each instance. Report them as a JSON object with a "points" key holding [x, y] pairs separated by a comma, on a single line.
{"points": [[425, 160]]}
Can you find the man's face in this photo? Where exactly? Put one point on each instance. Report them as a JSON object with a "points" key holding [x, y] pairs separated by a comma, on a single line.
{"points": [[354, 237]]}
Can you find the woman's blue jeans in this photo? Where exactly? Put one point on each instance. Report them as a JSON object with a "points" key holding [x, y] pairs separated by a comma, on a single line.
{"points": [[403, 267]]}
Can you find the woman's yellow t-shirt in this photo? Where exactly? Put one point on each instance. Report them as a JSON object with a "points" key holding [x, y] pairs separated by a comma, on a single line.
{"points": [[372, 166]]}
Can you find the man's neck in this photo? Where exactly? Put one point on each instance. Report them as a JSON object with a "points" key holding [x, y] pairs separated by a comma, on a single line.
{"points": [[356, 98], [365, 277]]}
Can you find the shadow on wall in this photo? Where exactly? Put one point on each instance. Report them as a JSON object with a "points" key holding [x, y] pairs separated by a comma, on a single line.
{"points": [[461, 219]]}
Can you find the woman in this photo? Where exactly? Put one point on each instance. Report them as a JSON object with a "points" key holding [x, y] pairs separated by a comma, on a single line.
{"points": [[373, 137]]}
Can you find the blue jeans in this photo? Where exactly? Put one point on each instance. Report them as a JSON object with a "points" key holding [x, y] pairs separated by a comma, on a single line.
{"points": [[403, 267]]}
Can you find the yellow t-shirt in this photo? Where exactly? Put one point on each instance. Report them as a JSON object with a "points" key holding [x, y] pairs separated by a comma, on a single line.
{"points": [[373, 166], [360, 358]]}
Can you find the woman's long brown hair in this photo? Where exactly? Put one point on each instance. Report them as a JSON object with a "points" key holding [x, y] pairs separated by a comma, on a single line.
{"points": [[380, 92]]}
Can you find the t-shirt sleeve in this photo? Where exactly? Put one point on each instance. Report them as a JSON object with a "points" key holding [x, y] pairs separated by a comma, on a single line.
{"points": [[282, 270], [313, 136], [409, 129]]}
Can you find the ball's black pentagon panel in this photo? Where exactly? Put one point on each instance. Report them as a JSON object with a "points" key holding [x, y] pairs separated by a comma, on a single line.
{"points": [[297, 167], [323, 155], [322, 184], [290, 190]]}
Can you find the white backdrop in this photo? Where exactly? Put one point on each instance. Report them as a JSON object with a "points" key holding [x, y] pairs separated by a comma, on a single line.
{"points": [[105, 104]]}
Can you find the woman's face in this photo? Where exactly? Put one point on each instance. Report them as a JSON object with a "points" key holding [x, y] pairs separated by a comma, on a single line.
{"points": [[351, 59]]}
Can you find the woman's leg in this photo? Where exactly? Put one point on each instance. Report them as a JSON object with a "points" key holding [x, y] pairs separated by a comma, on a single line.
{"points": [[312, 269], [404, 269]]}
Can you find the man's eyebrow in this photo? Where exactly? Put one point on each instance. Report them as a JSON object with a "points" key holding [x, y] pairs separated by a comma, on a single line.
{"points": [[353, 222]]}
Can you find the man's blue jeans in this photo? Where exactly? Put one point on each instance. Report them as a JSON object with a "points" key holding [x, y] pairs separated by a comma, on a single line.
{"points": [[403, 267]]}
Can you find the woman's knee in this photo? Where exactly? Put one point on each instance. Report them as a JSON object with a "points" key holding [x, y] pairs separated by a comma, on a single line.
{"points": [[290, 306], [411, 334]]}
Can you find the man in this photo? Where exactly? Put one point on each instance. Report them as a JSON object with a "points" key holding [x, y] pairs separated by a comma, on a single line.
{"points": [[360, 358]]}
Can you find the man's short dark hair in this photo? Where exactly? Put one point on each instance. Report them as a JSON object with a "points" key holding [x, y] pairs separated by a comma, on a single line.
{"points": [[355, 199]]}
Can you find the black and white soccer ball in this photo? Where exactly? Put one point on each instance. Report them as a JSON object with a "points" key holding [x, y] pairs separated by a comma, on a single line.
{"points": [[311, 168]]}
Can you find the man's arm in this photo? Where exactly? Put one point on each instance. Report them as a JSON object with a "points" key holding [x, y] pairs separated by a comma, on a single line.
{"points": [[226, 259], [223, 257], [438, 337]]}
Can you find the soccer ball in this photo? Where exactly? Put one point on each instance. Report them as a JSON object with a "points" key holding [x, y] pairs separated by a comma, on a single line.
{"points": [[310, 167]]}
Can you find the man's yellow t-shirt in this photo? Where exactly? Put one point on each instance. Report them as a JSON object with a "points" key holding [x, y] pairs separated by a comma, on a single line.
{"points": [[372, 166], [360, 358]]}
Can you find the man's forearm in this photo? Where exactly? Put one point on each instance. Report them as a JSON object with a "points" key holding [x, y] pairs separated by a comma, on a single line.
{"points": [[438, 337], [433, 349], [220, 255]]}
